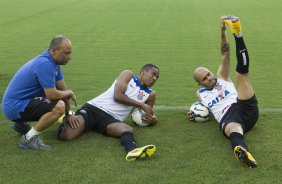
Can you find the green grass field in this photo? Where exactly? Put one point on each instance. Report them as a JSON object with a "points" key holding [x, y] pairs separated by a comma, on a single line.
{"points": [[113, 35]]}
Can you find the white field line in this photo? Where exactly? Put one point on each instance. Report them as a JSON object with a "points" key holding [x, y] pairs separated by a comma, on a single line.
{"points": [[177, 108], [184, 108]]}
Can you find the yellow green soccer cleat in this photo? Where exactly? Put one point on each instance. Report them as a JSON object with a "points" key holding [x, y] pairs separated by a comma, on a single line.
{"points": [[60, 120], [244, 156], [141, 153], [234, 24]]}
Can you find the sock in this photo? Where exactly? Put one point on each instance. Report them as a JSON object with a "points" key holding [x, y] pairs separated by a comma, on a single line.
{"points": [[237, 140], [128, 141], [31, 133], [239, 35], [242, 55]]}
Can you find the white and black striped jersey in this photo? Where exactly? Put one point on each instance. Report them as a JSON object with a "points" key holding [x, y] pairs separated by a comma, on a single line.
{"points": [[220, 98], [106, 101]]}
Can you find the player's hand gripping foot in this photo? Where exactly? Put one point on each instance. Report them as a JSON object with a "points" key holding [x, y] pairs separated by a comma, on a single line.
{"points": [[234, 24], [244, 156], [141, 153]]}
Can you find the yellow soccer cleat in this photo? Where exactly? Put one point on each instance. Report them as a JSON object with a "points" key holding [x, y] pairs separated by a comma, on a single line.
{"points": [[234, 24], [60, 120], [141, 153], [244, 156]]}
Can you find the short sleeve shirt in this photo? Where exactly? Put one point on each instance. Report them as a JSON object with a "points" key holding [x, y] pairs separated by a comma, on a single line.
{"points": [[29, 81]]}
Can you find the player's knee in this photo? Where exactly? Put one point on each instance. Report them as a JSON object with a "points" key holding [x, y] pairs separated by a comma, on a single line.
{"points": [[116, 129], [126, 128], [66, 135], [233, 127], [60, 107]]}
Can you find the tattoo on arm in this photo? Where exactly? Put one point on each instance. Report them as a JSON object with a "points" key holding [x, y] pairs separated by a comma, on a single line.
{"points": [[225, 47]]}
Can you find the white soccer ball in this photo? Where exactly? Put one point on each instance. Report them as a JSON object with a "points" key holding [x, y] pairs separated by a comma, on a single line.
{"points": [[200, 112], [136, 116]]}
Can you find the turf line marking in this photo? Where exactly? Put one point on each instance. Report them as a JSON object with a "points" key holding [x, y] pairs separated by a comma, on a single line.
{"points": [[177, 108], [184, 108]]}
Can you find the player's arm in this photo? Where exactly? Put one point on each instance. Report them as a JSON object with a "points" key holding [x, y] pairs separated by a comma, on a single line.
{"points": [[72, 120], [65, 95], [151, 118], [55, 94], [224, 69], [119, 92], [198, 96], [61, 85], [53, 90]]}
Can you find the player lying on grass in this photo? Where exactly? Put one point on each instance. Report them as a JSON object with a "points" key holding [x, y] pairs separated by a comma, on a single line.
{"points": [[105, 114], [235, 109]]}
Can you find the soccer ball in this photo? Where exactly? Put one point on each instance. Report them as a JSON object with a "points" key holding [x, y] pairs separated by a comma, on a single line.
{"points": [[200, 112], [136, 116]]}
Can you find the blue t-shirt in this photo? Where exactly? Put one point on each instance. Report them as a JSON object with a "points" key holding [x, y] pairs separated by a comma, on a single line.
{"points": [[30, 81]]}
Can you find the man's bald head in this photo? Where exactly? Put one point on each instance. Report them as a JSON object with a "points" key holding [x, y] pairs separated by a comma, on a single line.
{"points": [[197, 72], [57, 40]]}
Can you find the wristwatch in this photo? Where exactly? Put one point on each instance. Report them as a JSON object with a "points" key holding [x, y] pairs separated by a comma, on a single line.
{"points": [[69, 113]]}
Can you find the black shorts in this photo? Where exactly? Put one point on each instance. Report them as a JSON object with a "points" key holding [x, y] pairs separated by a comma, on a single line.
{"points": [[36, 107], [244, 112], [95, 118]]}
